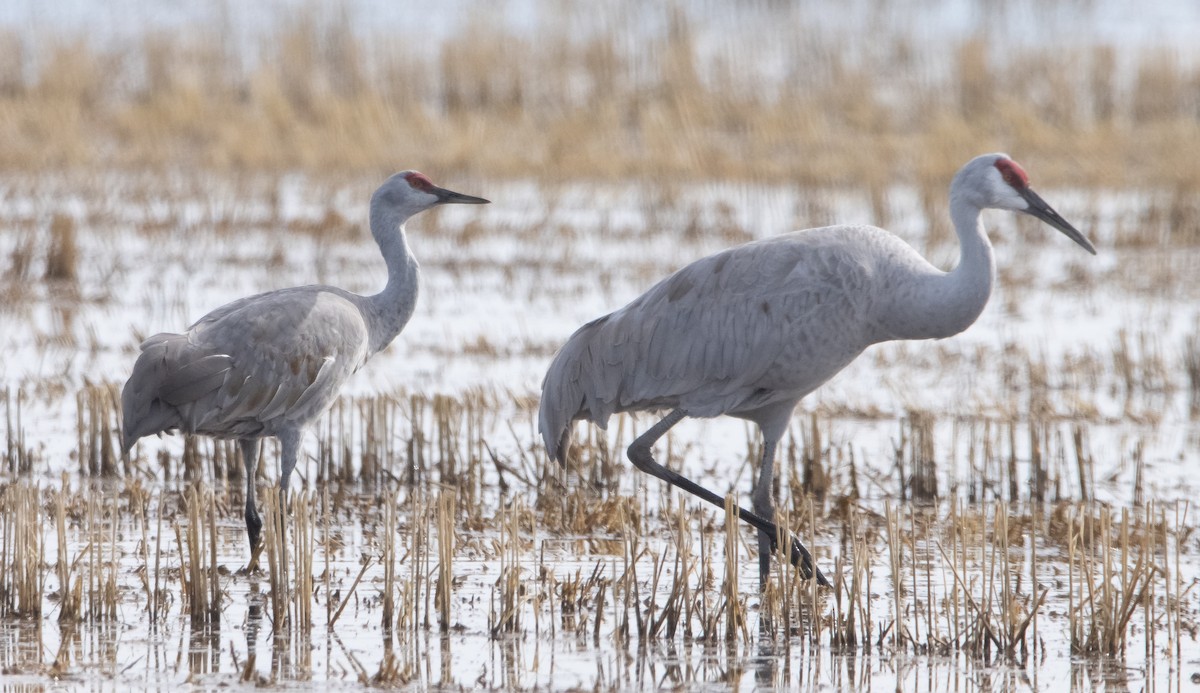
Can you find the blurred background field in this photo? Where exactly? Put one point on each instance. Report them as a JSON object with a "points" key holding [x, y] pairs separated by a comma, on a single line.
{"points": [[1103, 92], [1007, 508]]}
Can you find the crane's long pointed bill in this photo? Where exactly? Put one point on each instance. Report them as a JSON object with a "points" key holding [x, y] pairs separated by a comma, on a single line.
{"points": [[1038, 208], [450, 197]]}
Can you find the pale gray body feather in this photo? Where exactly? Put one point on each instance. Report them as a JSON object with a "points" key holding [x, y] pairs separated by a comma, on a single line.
{"points": [[269, 365], [250, 368], [745, 330], [750, 331]]}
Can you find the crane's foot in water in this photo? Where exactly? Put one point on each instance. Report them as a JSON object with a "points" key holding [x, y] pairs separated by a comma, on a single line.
{"points": [[254, 532]]}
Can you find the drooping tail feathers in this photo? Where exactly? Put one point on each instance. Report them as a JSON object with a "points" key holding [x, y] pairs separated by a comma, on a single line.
{"points": [[168, 377], [575, 387], [561, 401]]}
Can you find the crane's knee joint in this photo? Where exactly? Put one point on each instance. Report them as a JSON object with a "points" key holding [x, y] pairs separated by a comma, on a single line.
{"points": [[639, 454]]}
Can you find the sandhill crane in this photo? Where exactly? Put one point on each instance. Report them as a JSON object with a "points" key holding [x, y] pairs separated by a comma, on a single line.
{"points": [[270, 364], [750, 331]]}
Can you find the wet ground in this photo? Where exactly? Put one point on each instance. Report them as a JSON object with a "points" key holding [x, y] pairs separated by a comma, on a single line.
{"points": [[1074, 386]]}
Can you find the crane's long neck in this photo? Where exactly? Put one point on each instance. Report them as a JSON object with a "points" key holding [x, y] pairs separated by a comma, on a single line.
{"points": [[391, 308], [940, 304]]}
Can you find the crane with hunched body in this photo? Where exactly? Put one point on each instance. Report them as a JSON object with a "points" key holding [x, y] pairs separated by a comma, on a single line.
{"points": [[271, 364], [750, 331]]}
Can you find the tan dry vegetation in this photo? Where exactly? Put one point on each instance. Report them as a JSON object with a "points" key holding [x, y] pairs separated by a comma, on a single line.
{"points": [[601, 106]]}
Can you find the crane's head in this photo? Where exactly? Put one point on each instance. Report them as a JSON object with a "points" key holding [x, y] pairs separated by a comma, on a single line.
{"points": [[998, 182], [410, 192]]}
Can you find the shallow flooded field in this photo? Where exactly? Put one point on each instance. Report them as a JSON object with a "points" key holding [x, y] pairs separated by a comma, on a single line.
{"points": [[1005, 509]]}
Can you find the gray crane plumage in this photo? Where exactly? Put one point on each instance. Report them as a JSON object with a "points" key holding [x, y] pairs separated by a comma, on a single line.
{"points": [[749, 331], [270, 364]]}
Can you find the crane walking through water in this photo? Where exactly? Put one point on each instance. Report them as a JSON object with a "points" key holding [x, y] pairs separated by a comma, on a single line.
{"points": [[748, 332], [270, 364]]}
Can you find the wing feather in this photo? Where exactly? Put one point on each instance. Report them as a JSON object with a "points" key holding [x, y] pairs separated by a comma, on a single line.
{"points": [[249, 367], [750, 326], [193, 379]]}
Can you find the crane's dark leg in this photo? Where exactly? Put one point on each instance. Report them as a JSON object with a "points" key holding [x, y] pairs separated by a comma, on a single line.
{"points": [[764, 506], [249, 447], [641, 455], [289, 441]]}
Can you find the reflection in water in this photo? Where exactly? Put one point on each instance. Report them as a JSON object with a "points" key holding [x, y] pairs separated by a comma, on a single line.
{"points": [[1090, 674], [254, 610], [578, 648], [447, 675], [42, 649], [511, 664], [204, 650], [766, 664], [281, 655]]}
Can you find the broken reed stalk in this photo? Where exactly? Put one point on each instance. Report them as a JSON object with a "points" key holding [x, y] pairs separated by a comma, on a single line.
{"points": [[21, 580], [682, 604], [776, 594], [1007, 606], [111, 596], [302, 544], [203, 589], [70, 597], [97, 419], [447, 503], [1105, 595], [20, 457], [734, 619], [1176, 590], [158, 595], [910, 540], [388, 557], [145, 573], [99, 606], [509, 618], [814, 622], [328, 549], [862, 561], [416, 590], [366, 563], [632, 553], [275, 546], [705, 570], [896, 567], [1014, 619]]}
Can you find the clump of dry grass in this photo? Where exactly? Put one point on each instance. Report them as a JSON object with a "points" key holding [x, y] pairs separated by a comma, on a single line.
{"points": [[507, 616], [201, 584], [19, 458], [447, 541], [22, 547], [62, 257], [1112, 566], [301, 514], [915, 457], [274, 538], [97, 426], [852, 620], [70, 604], [388, 557], [735, 618]]}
